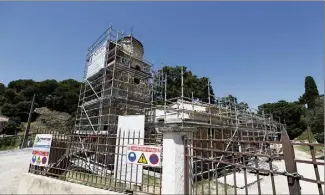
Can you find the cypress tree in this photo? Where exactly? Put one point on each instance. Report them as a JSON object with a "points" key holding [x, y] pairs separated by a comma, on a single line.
{"points": [[311, 92]]}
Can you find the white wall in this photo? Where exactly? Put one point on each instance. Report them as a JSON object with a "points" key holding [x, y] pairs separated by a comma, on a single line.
{"points": [[126, 124]]}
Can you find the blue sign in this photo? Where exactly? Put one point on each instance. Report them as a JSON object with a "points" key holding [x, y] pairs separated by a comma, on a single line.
{"points": [[154, 159], [132, 156]]}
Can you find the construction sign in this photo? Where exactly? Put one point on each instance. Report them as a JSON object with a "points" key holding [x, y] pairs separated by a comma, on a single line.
{"points": [[41, 150], [144, 155]]}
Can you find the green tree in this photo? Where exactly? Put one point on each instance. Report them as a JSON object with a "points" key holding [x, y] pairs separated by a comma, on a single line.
{"points": [[9, 110], [192, 84], [65, 97], [289, 113], [229, 101], [21, 84], [243, 106], [45, 88], [10, 95], [18, 98], [314, 118], [13, 126], [311, 93], [22, 110], [2, 100], [2, 89], [29, 92]]}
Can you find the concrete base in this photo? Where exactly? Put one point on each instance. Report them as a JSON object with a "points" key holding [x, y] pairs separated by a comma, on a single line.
{"points": [[36, 184]]}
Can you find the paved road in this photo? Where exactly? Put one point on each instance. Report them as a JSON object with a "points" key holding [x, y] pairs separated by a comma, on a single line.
{"points": [[12, 165]]}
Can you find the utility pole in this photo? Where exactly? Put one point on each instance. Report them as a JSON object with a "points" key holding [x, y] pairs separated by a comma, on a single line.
{"points": [[28, 123]]}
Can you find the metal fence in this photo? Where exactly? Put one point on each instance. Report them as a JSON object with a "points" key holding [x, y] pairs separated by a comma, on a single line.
{"points": [[252, 171], [99, 161]]}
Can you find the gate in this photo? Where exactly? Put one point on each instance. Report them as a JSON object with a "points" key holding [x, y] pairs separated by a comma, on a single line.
{"points": [[97, 161], [253, 167]]}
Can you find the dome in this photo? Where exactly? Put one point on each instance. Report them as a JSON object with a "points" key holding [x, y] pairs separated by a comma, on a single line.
{"points": [[132, 45]]}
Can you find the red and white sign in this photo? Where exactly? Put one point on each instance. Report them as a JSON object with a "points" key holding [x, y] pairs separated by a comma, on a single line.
{"points": [[144, 155]]}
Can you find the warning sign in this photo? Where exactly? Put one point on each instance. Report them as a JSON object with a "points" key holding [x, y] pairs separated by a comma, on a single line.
{"points": [[142, 159], [144, 155], [41, 150]]}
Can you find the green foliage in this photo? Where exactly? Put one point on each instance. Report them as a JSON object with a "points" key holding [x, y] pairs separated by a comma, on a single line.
{"points": [[18, 98], [9, 110], [314, 118], [192, 84], [10, 142], [230, 101], [2, 100], [13, 126], [19, 85], [60, 96], [10, 95], [289, 113], [2, 89], [243, 106], [65, 97], [311, 93]]}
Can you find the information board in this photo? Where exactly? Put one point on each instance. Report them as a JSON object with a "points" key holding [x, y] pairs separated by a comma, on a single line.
{"points": [[41, 150]]}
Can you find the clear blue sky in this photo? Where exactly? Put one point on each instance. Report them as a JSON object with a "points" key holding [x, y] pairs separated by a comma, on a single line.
{"points": [[257, 51]]}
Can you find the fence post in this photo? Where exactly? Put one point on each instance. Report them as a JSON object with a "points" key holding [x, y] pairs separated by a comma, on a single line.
{"points": [[290, 164], [173, 177]]}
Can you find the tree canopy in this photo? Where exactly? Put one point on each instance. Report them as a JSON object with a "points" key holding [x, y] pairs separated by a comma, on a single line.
{"points": [[15, 100], [198, 86], [289, 113], [311, 93]]}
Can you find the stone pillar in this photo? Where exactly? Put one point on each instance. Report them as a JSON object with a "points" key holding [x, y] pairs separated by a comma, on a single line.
{"points": [[173, 170]]}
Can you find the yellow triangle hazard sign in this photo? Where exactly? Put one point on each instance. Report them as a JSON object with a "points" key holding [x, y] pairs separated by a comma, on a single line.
{"points": [[38, 160], [142, 159]]}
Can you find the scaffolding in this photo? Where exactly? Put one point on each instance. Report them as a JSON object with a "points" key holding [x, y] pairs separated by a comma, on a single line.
{"points": [[119, 85], [223, 121], [125, 84]]}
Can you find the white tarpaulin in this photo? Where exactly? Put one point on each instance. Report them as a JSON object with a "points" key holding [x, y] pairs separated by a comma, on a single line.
{"points": [[97, 60]]}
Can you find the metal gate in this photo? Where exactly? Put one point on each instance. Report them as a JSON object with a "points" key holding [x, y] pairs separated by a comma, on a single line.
{"points": [[89, 160], [253, 167]]}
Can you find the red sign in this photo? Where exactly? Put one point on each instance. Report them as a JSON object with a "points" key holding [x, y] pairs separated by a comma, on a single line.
{"points": [[143, 149], [36, 152]]}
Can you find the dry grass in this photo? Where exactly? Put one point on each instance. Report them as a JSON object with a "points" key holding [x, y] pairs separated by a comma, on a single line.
{"points": [[319, 150], [149, 184], [210, 187]]}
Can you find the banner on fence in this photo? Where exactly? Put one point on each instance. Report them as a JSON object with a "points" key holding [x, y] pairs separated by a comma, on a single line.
{"points": [[144, 155], [41, 150]]}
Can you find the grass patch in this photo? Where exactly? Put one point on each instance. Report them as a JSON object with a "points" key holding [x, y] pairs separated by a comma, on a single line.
{"points": [[305, 136], [3, 148], [319, 150], [210, 187], [10, 142], [150, 184]]}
